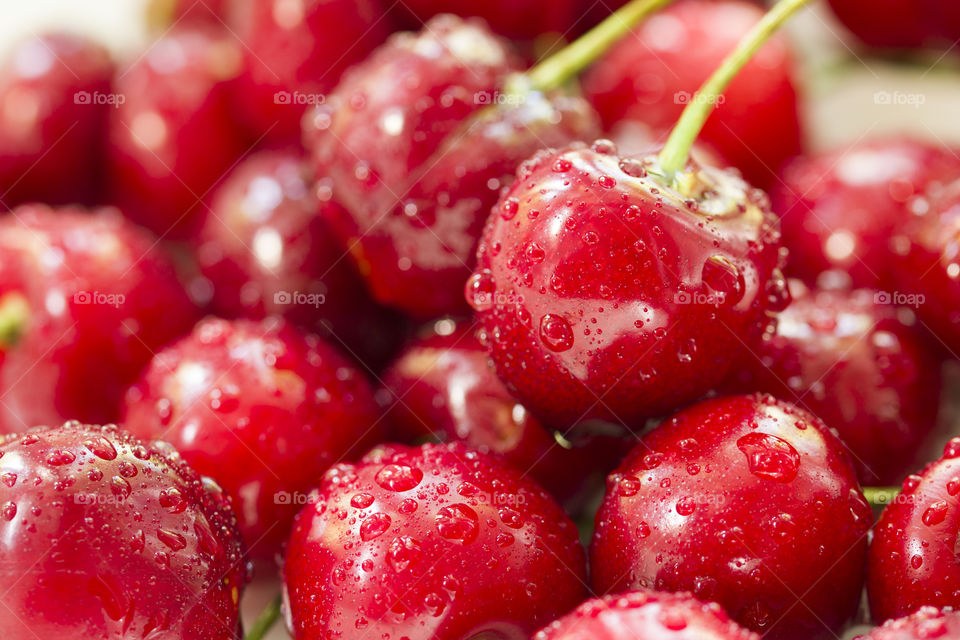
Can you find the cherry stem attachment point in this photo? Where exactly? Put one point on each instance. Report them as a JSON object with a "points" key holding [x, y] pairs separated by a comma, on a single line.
{"points": [[265, 621], [881, 496], [557, 69], [675, 153]]}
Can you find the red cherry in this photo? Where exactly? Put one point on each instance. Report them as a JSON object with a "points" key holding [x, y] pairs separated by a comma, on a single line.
{"points": [[295, 53], [519, 20], [105, 537], [653, 74], [859, 364], [648, 615], [900, 24], [415, 206], [174, 137], [262, 409], [912, 560], [746, 501], [56, 92], [438, 542], [927, 623], [441, 386], [842, 208], [606, 295], [96, 300]]}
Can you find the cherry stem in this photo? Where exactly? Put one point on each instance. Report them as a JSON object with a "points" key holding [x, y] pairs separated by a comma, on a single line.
{"points": [[265, 621], [881, 496], [675, 153], [14, 313], [556, 70]]}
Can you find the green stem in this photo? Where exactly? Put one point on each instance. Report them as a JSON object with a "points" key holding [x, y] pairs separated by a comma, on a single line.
{"points": [[881, 496], [14, 315], [674, 156], [556, 70], [266, 620]]}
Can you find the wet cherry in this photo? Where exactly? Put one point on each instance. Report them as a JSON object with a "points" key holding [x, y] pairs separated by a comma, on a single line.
{"points": [[104, 536], [648, 615], [859, 363], [746, 501], [438, 542], [262, 409], [928, 623]]}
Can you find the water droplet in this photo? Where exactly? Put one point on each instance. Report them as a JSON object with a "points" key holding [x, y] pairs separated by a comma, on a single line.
{"points": [[535, 253], [128, 469], [403, 552], [952, 448], [480, 290], [916, 561], [101, 447], [555, 332], [505, 539], [604, 147], [172, 500], [643, 530], [723, 280], [458, 523], [935, 513], [374, 526], [629, 487], [686, 506], [9, 478], [172, 539], [361, 500], [397, 477], [59, 457], [510, 517], [607, 182], [672, 620], [509, 208], [769, 456], [408, 506], [633, 168], [9, 511], [120, 487]]}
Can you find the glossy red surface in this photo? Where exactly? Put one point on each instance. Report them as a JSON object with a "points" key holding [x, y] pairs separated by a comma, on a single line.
{"points": [[842, 209], [927, 623], [100, 299], [605, 294], [431, 543], [262, 409], [648, 615], [417, 142], [517, 19], [54, 93], [102, 536], [912, 559], [746, 501], [175, 137], [860, 364], [652, 74], [899, 24]]}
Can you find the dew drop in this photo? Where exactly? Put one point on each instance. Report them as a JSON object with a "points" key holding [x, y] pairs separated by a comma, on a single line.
{"points": [[59, 457], [361, 500], [556, 333], [398, 477], [9, 511], [769, 456], [480, 290], [101, 447], [935, 513], [172, 539], [458, 523], [374, 526]]}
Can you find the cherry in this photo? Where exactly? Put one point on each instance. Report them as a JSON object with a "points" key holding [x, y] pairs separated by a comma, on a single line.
{"points": [[842, 209], [926, 624], [416, 206], [55, 94], [90, 299], [912, 562], [295, 53], [900, 24], [747, 501], [607, 294], [441, 386], [266, 247], [262, 409], [173, 137], [438, 542], [648, 615], [858, 363], [523, 20], [104, 536], [652, 74]]}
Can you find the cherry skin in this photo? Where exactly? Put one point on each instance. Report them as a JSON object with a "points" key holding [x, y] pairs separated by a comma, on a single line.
{"points": [[174, 136], [747, 501], [95, 299], [926, 624], [294, 54], [438, 542], [651, 74], [912, 561], [54, 91], [900, 24], [416, 206], [262, 409], [859, 364], [842, 209], [606, 295], [105, 536], [442, 387], [645, 614], [523, 20]]}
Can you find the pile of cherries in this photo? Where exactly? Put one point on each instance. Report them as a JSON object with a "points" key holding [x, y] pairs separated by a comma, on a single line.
{"points": [[433, 324]]}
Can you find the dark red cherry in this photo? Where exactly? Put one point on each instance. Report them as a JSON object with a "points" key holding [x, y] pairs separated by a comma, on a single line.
{"points": [[648, 615], [262, 409], [747, 501], [605, 294], [442, 387], [522, 20], [174, 136], [912, 559], [54, 99], [418, 141], [294, 54], [438, 542], [859, 363], [841, 209], [928, 623], [653, 73], [103, 536], [92, 299], [900, 24]]}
